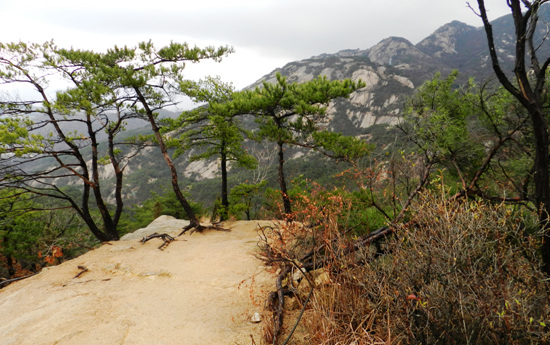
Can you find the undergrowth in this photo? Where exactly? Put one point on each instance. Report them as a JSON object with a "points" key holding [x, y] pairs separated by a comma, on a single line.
{"points": [[460, 272]]}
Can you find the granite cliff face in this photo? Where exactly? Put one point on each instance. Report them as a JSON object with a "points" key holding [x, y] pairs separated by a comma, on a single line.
{"points": [[392, 71], [394, 68], [452, 39], [376, 103]]}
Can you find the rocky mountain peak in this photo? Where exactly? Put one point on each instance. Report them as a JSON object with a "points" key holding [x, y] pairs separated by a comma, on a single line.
{"points": [[446, 39], [394, 51]]}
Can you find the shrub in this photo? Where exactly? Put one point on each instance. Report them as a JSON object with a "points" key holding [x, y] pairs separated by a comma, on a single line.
{"points": [[461, 272]]}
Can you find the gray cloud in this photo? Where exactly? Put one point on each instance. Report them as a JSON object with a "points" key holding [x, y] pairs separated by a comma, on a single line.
{"points": [[291, 28], [265, 33]]}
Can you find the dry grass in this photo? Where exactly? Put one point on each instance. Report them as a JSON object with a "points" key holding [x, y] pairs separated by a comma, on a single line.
{"points": [[461, 272], [456, 273]]}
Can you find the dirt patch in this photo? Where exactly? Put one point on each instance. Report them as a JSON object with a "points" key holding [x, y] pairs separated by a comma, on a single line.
{"points": [[202, 289]]}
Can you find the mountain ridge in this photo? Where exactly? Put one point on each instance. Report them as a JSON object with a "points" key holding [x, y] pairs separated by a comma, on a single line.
{"points": [[394, 67], [392, 70]]}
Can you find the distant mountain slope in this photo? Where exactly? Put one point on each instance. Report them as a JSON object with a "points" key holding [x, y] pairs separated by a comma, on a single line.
{"points": [[395, 67], [392, 70]]}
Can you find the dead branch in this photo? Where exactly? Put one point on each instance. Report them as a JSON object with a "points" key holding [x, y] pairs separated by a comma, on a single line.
{"points": [[299, 316], [201, 228], [165, 237], [278, 314], [6, 282], [83, 270]]}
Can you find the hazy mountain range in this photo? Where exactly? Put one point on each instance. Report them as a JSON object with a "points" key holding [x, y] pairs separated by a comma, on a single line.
{"points": [[392, 70]]}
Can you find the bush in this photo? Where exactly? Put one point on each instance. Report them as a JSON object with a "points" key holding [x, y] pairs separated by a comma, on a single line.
{"points": [[460, 272], [30, 237]]}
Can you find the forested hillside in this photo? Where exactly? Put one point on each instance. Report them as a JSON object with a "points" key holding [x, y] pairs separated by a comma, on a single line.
{"points": [[392, 70]]}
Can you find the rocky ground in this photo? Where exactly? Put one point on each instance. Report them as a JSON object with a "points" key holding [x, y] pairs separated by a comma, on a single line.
{"points": [[203, 288]]}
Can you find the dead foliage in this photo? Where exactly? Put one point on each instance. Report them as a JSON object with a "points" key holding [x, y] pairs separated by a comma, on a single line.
{"points": [[453, 272]]}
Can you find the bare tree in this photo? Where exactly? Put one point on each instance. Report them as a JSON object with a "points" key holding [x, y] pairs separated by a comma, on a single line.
{"points": [[527, 86]]}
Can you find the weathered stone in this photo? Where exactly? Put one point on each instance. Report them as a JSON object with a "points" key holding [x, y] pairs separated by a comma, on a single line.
{"points": [[256, 318]]}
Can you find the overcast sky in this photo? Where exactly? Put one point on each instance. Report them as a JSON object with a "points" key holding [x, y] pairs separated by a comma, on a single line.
{"points": [[265, 34]]}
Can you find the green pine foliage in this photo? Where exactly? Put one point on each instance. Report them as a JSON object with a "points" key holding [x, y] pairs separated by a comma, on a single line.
{"points": [[293, 115], [477, 135]]}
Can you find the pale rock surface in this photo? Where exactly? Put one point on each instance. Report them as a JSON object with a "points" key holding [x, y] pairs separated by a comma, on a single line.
{"points": [[202, 289]]}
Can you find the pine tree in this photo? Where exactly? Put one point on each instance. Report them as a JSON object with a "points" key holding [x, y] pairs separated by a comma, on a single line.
{"points": [[295, 115]]}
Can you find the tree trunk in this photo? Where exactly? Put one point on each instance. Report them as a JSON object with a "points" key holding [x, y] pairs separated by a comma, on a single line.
{"points": [[531, 98], [193, 220], [119, 173], [84, 213], [286, 200], [542, 181], [225, 195], [11, 268], [110, 227]]}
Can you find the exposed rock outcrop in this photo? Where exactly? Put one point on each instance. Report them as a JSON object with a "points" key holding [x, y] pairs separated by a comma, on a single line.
{"points": [[202, 289]]}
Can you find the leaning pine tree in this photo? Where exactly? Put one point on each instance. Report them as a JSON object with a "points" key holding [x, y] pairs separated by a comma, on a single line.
{"points": [[149, 79]]}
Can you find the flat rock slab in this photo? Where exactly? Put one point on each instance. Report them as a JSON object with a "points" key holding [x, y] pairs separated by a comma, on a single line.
{"points": [[202, 289]]}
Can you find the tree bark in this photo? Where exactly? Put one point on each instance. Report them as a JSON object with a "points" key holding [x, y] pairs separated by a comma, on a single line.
{"points": [[84, 213], [282, 182], [119, 173], [110, 226], [193, 220], [531, 99], [225, 194], [542, 181]]}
